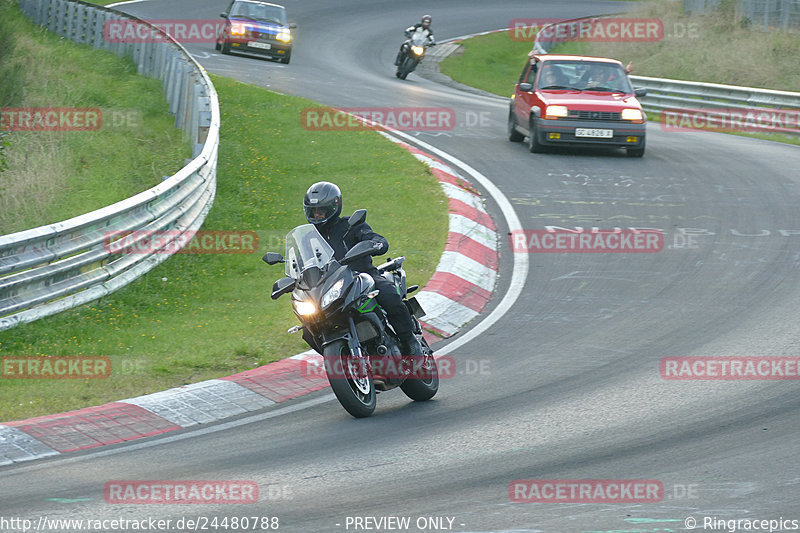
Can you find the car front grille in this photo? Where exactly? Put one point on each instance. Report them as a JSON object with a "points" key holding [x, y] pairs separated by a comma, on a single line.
{"points": [[594, 115]]}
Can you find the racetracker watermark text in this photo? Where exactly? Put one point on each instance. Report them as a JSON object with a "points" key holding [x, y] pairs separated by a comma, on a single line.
{"points": [[180, 492], [50, 119], [177, 242], [586, 490], [365, 118], [386, 366], [579, 241], [184, 31], [594, 30], [730, 368], [64, 367], [746, 120]]}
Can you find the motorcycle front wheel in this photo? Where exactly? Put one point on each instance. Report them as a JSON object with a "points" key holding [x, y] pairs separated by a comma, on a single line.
{"points": [[406, 68], [350, 381]]}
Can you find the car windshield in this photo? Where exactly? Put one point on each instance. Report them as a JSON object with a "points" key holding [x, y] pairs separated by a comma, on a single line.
{"points": [[305, 248], [261, 12], [583, 76]]}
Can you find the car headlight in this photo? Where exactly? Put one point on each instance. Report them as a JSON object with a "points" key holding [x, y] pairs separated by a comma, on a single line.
{"points": [[284, 36], [634, 115], [332, 294], [238, 29], [304, 308], [417, 50], [555, 111]]}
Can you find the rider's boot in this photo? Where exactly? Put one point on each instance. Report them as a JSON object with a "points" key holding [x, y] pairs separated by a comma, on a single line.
{"points": [[412, 351]]}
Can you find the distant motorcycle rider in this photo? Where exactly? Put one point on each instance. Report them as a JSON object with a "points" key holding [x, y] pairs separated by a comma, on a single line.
{"points": [[424, 26], [322, 205]]}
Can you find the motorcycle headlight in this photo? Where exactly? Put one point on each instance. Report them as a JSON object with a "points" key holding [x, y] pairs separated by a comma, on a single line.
{"points": [[418, 50], [284, 36], [238, 29], [304, 308], [332, 294]]}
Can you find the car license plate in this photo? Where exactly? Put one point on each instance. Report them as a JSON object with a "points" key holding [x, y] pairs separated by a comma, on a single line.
{"points": [[256, 44], [594, 132]]}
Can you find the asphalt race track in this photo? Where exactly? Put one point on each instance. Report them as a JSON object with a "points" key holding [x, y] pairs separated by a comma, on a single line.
{"points": [[566, 386]]}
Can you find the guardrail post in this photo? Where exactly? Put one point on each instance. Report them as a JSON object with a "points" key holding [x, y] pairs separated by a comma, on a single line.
{"points": [[70, 26], [203, 123], [52, 16], [180, 93]]}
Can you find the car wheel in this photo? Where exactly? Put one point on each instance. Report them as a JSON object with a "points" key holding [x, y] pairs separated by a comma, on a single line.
{"points": [[534, 146], [513, 135], [636, 152], [216, 46], [226, 48], [285, 60]]}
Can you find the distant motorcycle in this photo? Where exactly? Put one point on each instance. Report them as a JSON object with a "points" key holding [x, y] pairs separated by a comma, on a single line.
{"points": [[413, 52], [341, 320]]}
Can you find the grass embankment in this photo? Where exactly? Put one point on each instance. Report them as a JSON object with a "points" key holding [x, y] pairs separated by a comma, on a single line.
{"points": [[197, 317], [55, 175], [490, 62], [718, 48]]}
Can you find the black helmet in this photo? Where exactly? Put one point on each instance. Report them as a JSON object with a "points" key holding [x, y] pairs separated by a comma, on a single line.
{"points": [[426, 20], [322, 202]]}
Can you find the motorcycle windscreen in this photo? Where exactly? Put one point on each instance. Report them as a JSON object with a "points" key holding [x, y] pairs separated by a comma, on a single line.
{"points": [[305, 248]]}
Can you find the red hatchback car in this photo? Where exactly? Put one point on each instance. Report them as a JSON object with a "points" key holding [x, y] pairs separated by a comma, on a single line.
{"points": [[577, 101]]}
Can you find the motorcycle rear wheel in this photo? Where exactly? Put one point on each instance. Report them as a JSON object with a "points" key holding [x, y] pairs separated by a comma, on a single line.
{"points": [[356, 394], [424, 384]]}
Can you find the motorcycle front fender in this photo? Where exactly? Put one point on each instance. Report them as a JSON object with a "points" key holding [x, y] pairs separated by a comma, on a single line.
{"points": [[350, 336]]}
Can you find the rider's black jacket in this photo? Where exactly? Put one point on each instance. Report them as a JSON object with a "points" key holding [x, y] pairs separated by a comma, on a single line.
{"points": [[334, 232]]}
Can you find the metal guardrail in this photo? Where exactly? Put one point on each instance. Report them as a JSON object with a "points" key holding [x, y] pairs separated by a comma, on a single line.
{"points": [[59, 266], [730, 107], [740, 108]]}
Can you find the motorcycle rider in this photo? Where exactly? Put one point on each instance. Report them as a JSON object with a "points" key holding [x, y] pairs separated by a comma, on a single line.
{"points": [[425, 26], [322, 205]]}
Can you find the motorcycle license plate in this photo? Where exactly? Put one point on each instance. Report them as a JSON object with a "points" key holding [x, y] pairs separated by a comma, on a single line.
{"points": [[594, 132], [256, 44]]}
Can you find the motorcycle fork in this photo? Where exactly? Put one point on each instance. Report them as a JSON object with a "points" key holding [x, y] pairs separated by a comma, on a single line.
{"points": [[355, 345]]}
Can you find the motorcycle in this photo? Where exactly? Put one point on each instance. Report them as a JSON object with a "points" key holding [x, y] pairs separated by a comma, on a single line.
{"points": [[413, 52], [341, 320]]}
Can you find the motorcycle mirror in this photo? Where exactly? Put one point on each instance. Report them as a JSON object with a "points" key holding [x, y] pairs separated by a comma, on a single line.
{"points": [[357, 218], [362, 249], [281, 287], [272, 258]]}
